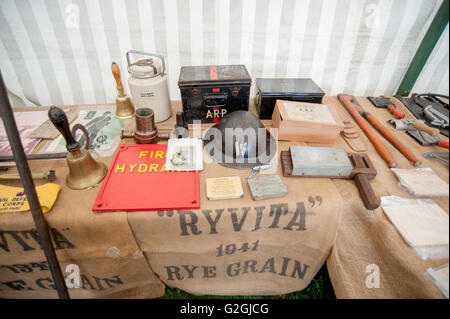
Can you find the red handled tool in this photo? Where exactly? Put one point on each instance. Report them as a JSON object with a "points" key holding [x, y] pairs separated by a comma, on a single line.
{"points": [[398, 115], [384, 102], [443, 144], [353, 107]]}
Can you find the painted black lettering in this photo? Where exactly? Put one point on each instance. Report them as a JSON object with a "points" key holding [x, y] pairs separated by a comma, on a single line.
{"points": [[34, 234], [269, 265], [233, 271], [61, 242], [300, 215], [209, 271], [115, 280], [98, 282], [45, 283], [86, 283], [277, 210], [298, 270], [250, 264], [284, 266], [3, 242], [237, 224], [259, 211], [16, 284], [190, 270], [192, 224], [212, 223], [173, 271]]}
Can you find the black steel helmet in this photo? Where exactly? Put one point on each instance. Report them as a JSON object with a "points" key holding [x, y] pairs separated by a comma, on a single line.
{"points": [[240, 140]]}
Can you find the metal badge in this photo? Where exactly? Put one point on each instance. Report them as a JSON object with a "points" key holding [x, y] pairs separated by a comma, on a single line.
{"points": [[184, 154]]}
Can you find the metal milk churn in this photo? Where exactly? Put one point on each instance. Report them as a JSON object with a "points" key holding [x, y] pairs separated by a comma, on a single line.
{"points": [[148, 84]]}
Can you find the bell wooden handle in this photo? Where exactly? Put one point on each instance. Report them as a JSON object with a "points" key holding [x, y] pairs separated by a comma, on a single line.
{"points": [[423, 127], [116, 72], [59, 119]]}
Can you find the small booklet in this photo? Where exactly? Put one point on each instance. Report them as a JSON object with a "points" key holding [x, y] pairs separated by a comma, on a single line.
{"points": [[224, 188]]}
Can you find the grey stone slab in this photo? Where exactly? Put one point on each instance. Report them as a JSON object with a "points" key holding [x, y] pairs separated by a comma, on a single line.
{"points": [[320, 161], [265, 187]]}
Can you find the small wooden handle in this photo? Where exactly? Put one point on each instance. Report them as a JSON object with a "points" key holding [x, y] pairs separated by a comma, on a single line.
{"points": [[116, 72], [8, 177], [380, 148], [443, 144], [366, 191], [17, 176], [398, 115], [423, 127], [355, 111]]}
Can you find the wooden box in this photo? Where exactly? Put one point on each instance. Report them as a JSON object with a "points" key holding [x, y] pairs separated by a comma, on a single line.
{"points": [[306, 122]]}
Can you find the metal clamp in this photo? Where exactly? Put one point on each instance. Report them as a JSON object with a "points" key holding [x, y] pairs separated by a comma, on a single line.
{"points": [[257, 169], [436, 118]]}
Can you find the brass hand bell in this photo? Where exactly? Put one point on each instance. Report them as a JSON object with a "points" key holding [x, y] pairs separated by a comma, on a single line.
{"points": [[124, 105], [84, 170]]}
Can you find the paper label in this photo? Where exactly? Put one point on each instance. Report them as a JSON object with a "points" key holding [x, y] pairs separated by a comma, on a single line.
{"points": [[309, 112]]}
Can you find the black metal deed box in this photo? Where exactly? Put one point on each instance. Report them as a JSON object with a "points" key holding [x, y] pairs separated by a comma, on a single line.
{"points": [[210, 92], [269, 90]]}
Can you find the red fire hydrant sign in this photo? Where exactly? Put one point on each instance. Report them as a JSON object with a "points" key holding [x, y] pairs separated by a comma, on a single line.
{"points": [[137, 181]]}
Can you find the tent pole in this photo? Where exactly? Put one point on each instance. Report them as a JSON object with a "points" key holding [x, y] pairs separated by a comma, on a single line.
{"points": [[429, 41], [15, 142]]}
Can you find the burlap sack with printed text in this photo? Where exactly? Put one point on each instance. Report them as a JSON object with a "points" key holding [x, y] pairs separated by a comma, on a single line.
{"points": [[101, 246], [242, 246]]}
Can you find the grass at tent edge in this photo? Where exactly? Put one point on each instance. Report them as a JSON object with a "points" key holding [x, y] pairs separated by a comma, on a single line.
{"points": [[319, 288]]}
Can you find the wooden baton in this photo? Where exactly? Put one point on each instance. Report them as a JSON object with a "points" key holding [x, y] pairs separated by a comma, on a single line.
{"points": [[116, 73], [391, 138], [423, 127], [355, 111]]}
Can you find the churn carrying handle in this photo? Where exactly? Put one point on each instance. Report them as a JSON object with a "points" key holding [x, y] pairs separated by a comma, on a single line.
{"points": [[163, 71]]}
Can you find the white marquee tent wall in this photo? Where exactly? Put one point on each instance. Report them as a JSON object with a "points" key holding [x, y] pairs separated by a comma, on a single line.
{"points": [[60, 52]]}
